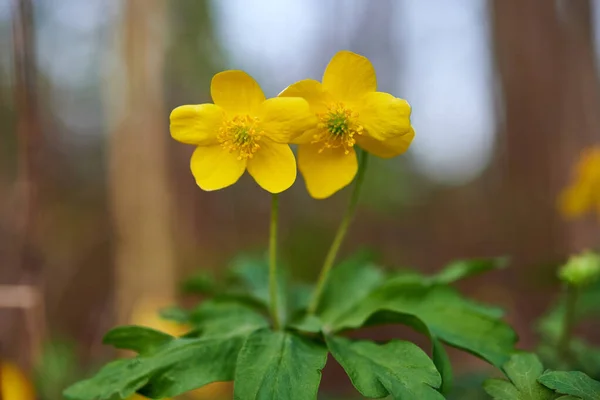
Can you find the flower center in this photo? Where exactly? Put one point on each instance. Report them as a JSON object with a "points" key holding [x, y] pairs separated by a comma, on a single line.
{"points": [[337, 128], [240, 134]]}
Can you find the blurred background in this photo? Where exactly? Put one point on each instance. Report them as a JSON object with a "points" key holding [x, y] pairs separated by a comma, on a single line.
{"points": [[100, 215]]}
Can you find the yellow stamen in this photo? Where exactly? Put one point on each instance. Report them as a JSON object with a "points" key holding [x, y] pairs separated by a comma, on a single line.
{"points": [[240, 134], [337, 128]]}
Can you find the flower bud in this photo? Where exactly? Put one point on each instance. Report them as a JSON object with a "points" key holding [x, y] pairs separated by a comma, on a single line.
{"points": [[581, 269]]}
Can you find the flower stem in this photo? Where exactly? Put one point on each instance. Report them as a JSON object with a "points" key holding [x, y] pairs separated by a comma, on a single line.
{"points": [[273, 261], [340, 234], [568, 322]]}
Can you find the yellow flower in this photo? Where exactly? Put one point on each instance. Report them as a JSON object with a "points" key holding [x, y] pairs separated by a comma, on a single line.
{"points": [[350, 111], [14, 385], [583, 194], [242, 130]]}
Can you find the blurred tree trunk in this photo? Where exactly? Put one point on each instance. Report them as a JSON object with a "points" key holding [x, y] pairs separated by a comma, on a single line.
{"points": [[550, 93], [546, 63], [139, 188], [22, 259]]}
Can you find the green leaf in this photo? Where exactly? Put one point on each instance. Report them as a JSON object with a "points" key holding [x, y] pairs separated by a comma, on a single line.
{"points": [[582, 357], [249, 282], [308, 323], [137, 338], [175, 314], [250, 274], [586, 357], [568, 398], [179, 365], [213, 318], [574, 383], [522, 370], [448, 316], [443, 365], [199, 283], [108, 383], [397, 368], [588, 305], [278, 365], [461, 269], [299, 297], [349, 283], [440, 357], [57, 368]]}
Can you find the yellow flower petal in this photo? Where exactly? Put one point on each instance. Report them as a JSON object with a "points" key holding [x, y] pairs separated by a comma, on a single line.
{"points": [[387, 148], [307, 137], [311, 91], [327, 172], [349, 76], [214, 168], [384, 116], [285, 118], [273, 166], [196, 124], [237, 92]]}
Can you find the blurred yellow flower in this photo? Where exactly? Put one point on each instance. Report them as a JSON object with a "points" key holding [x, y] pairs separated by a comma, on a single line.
{"points": [[14, 384], [350, 111], [146, 313], [583, 195], [242, 130]]}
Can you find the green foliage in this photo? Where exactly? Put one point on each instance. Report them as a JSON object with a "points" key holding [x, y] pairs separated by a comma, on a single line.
{"points": [[137, 338], [461, 269], [179, 365], [279, 365], [231, 338], [356, 275], [58, 367], [199, 283], [214, 318], [442, 363], [175, 314], [581, 355], [573, 383], [248, 281], [397, 368], [447, 315], [581, 269], [528, 381], [522, 370]]}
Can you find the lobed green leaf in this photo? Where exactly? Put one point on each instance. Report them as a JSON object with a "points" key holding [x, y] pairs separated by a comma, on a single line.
{"points": [[573, 383], [398, 368], [177, 366], [522, 370], [279, 365], [447, 315]]}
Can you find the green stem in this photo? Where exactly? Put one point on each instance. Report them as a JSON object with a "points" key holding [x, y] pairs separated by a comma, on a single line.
{"points": [[569, 321], [340, 234], [273, 261]]}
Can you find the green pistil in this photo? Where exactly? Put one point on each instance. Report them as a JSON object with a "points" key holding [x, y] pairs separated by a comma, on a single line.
{"points": [[337, 124], [241, 135]]}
